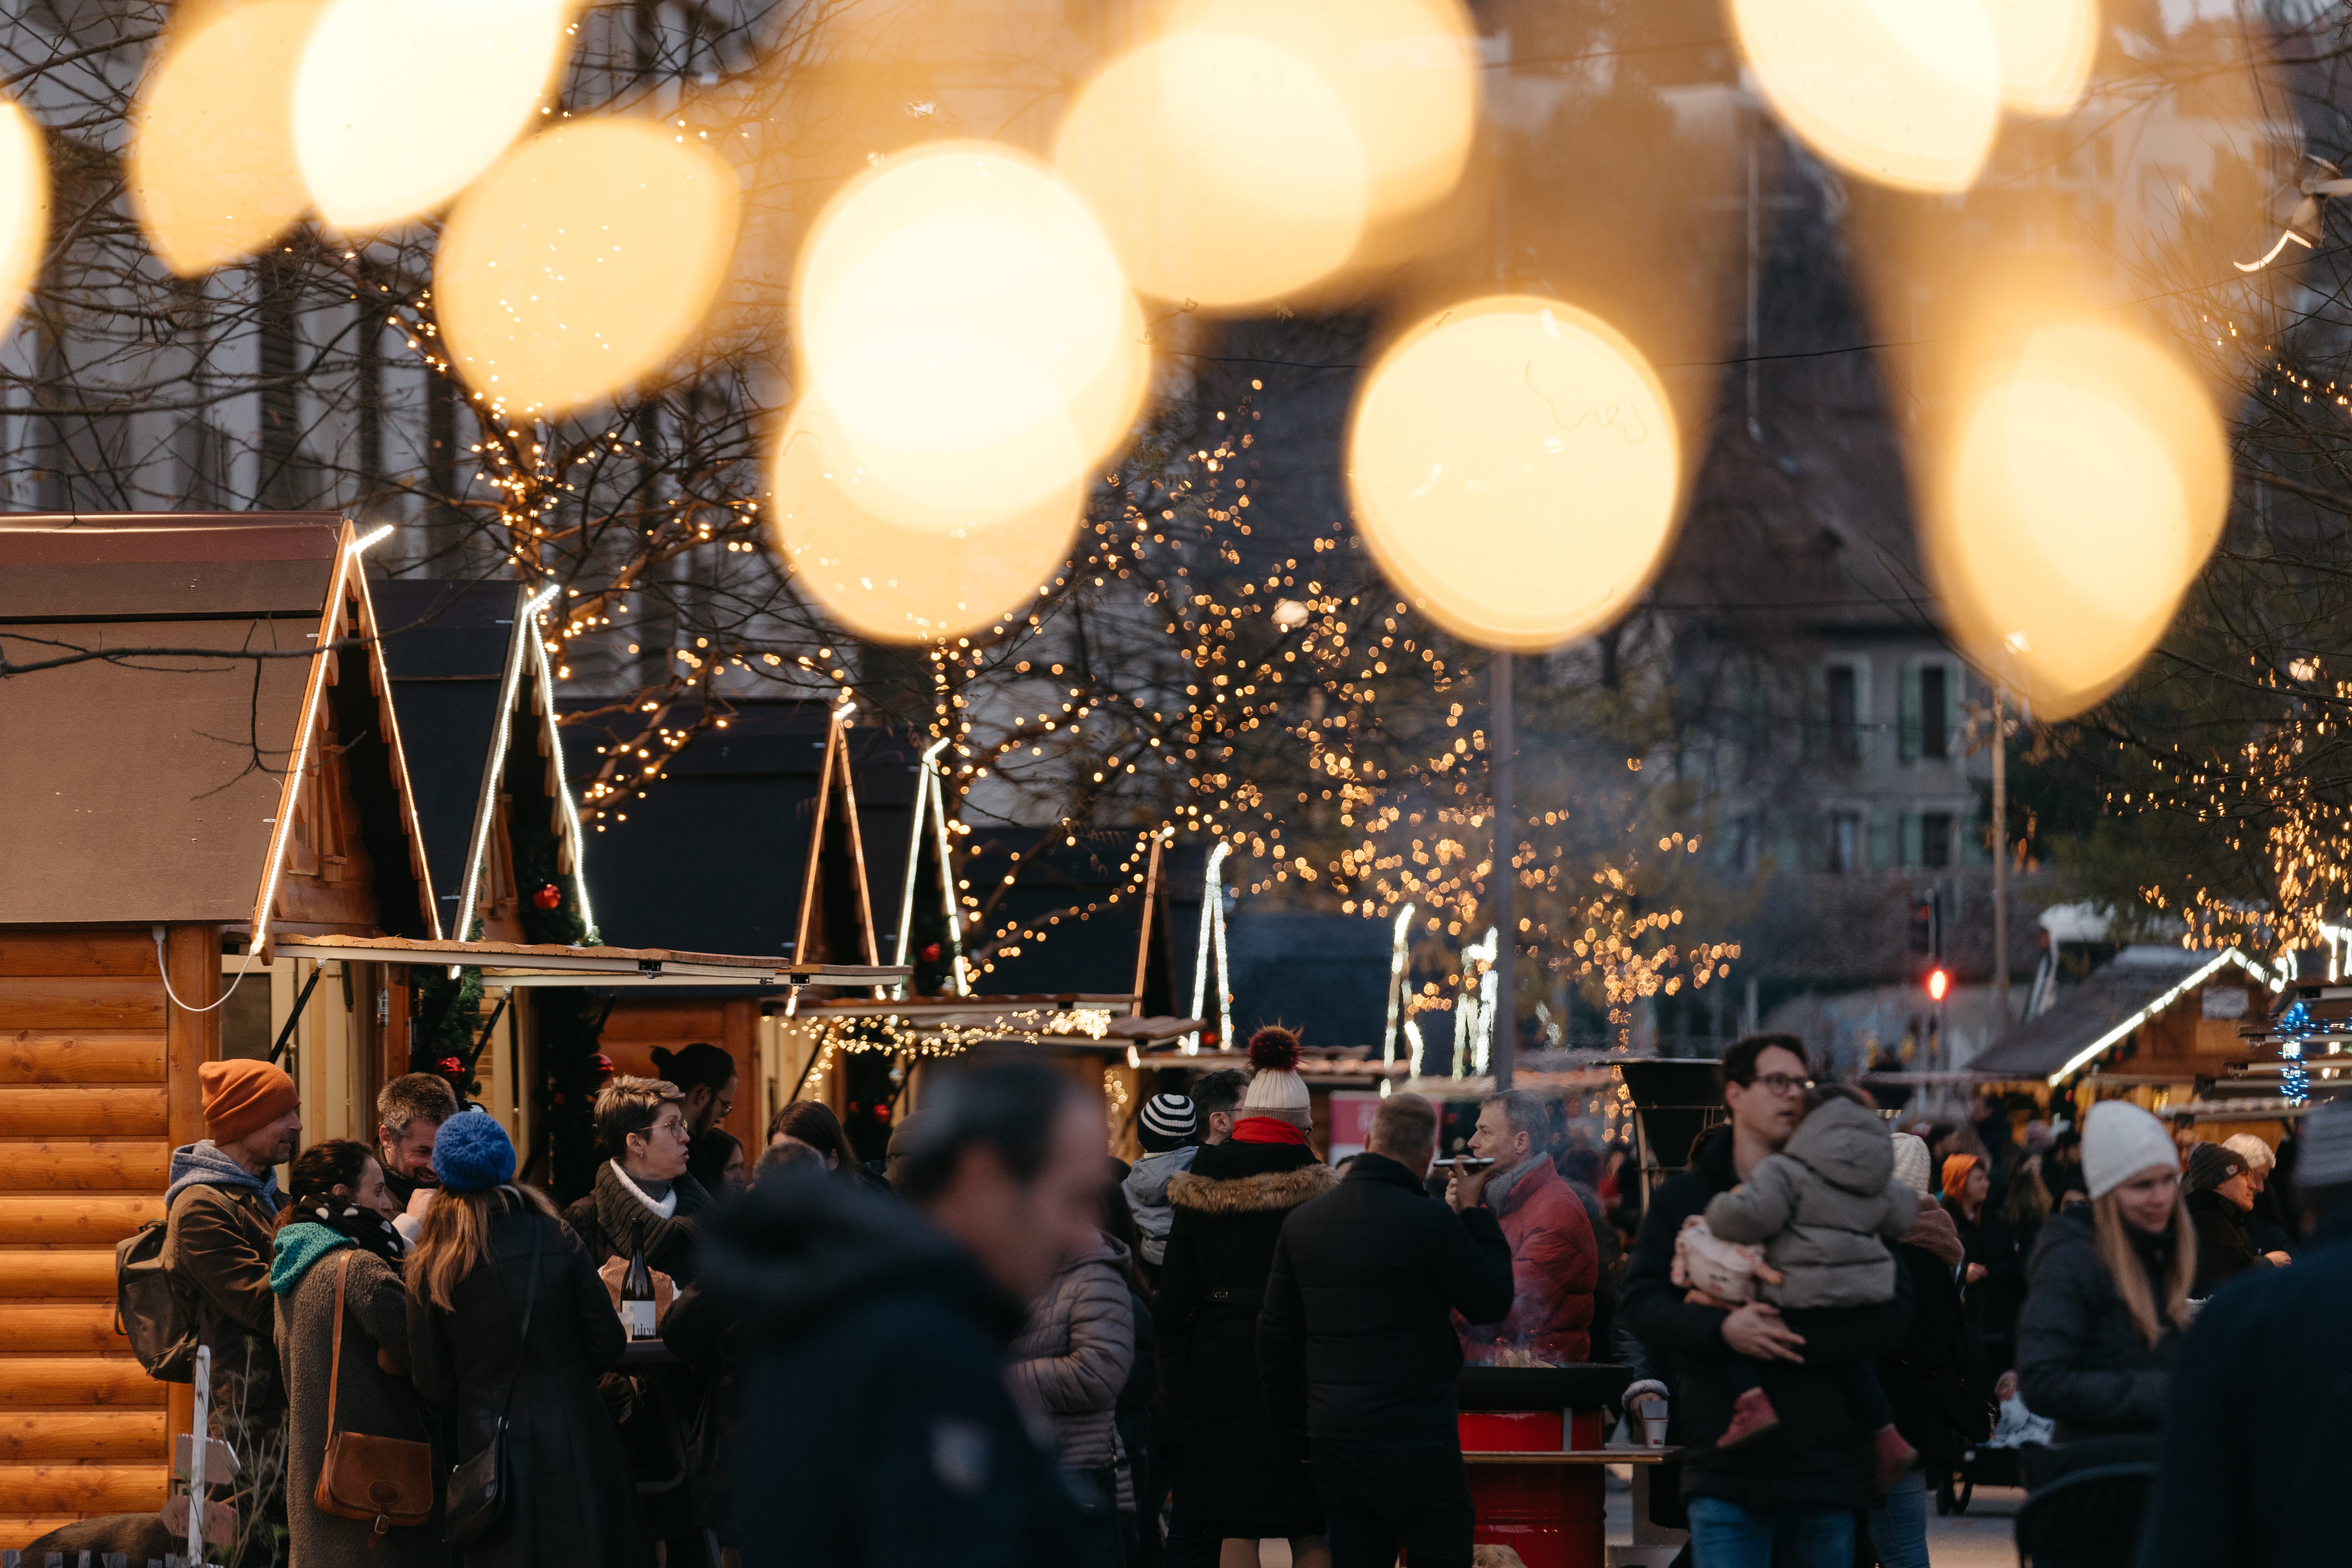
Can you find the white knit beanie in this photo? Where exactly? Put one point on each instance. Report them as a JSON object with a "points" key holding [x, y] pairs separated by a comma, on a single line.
{"points": [[2119, 1141], [2253, 1151], [1911, 1164], [1276, 1089]]}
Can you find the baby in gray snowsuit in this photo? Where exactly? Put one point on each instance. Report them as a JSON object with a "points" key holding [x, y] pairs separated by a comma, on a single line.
{"points": [[1825, 1206]]}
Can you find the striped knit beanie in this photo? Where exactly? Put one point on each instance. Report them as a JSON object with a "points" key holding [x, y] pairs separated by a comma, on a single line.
{"points": [[1168, 1122]]}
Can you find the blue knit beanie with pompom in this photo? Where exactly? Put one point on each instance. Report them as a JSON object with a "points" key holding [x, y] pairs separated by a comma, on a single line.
{"points": [[472, 1153]]}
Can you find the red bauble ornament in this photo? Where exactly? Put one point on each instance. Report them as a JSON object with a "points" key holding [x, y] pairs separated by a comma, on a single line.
{"points": [[931, 953], [451, 1066], [548, 896], [602, 1064]]}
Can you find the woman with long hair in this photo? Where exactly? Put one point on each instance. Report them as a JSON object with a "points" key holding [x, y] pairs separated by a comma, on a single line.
{"points": [[493, 1253], [335, 1245], [2107, 1290], [815, 1124], [2009, 1241]]}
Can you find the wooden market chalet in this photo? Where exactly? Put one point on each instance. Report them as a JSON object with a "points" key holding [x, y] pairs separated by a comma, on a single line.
{"points": [[263, 807]]}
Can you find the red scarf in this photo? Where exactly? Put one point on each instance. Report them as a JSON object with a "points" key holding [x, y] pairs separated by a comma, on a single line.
{"points": [[1268, 1130]]}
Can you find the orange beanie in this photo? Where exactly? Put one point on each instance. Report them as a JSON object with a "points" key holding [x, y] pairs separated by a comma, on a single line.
{"points": [[243, 1097], [1956, 1173]]}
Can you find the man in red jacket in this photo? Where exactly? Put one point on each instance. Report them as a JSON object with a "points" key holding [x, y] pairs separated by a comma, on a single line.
{"points": [[1555, 1261]]}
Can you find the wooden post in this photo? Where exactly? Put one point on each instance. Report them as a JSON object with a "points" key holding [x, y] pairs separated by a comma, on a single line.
{"points": [[1150, 909], [192, 960]]}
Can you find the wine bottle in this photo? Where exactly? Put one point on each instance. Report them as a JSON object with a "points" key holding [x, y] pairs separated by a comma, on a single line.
{"points": [[637, 1298]]}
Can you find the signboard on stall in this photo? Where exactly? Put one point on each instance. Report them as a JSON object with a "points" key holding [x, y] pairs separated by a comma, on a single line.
{"points": [[1351, 1121]]}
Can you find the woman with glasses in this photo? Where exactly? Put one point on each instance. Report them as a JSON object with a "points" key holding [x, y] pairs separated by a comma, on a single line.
{"points": [[2107, 1290], [643, 1200], [646, 1201]]}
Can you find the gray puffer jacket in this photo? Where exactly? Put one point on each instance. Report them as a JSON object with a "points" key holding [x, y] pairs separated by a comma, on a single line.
{"points": [[1821, 1206], [1147, 1199], [1074, 1356]]}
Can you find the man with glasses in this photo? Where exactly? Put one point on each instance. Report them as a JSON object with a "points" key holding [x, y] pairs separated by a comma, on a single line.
{"points": [[1800, 1489]]}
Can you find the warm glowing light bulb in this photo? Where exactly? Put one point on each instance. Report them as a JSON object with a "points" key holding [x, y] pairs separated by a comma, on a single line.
{"points": [[1406, 71], [883, 579], [24, 207], [1226, 170], [2046, 49], [400, 104], [966, 325], [1515, 463], [211, 173], [581, 263], [2084, 486], [1901, 92]]}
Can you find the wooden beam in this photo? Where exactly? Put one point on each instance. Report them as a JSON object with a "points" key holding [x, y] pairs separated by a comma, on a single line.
{"points": [[77, 1383], [134, 1437], [82, 1165], [62, 1328], [83, 1488], [89, 1055], [53, 1219], [59, 1275], [138, 1111], [79, 1002]]}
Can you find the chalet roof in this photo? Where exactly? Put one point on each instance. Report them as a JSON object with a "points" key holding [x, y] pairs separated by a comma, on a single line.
{"points": [[445, 645], [163, 668], [2118, 996]]}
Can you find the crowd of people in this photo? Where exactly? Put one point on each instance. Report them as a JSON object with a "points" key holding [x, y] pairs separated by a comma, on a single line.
{"points": [[1004, 1347]]}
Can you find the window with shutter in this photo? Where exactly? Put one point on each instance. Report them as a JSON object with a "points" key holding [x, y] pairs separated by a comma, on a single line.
{"points": [[1906, 725], [1936, 710]]}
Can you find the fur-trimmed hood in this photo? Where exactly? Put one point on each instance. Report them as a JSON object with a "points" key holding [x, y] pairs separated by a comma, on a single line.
{"points": [[1268, 1191]]}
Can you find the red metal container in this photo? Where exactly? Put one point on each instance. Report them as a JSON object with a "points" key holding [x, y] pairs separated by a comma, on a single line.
{"points": [[1551, 1510]]}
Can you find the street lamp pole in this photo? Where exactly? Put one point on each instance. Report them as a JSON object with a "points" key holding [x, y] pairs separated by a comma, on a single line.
{"points": [[1503, 742]]}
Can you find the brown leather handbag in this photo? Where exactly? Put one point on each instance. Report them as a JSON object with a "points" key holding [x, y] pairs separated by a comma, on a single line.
{"points": [[385, 1481]]}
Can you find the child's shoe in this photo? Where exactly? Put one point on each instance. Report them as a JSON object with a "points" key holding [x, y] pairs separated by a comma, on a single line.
{"points": [[1752, 1416], [1893, 1457]]}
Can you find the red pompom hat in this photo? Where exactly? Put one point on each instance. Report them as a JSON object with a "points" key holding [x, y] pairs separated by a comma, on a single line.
{"points": [[1276, 1089]]}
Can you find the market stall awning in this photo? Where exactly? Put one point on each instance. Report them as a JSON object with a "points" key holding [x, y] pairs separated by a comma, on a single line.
{"points": [[533, 964]]}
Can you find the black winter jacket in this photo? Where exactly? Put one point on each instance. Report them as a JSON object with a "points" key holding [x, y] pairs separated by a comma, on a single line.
{"points": [[574, 1499], [1229, 1207], [1938, 1371], [2081, 1360], [876, 1430], [2250, 1471], [1821, 1455], [2223, 1248], [1356, 1341]]}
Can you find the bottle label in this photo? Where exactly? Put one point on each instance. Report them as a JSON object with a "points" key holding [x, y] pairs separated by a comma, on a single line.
{"points": [[639, 1316]]}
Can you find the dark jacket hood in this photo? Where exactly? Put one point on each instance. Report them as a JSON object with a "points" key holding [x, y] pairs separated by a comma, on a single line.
{"points": [[1844, 1145], [1710, 1155], [802, 1246]]}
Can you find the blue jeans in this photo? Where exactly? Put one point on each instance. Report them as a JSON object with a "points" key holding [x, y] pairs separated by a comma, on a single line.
{"points": [[1726, 1535], [1898, 1525]]}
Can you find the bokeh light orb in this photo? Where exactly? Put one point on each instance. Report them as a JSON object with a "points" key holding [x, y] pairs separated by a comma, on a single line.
{"points": [[212, 173], [1226, 170], [24, 207], [583, 261], [963, 317], [2086, 485], [2046, 48], [1514, 463], [1904, 93], [1407, 72], [400, 104], [882, 579]]}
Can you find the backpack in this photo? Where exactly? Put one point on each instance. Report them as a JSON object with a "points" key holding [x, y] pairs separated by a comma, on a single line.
{"points": [[150, 1309]]}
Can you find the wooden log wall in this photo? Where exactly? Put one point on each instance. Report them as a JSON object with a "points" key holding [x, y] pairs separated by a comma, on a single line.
{"points": [[97, 1086]]}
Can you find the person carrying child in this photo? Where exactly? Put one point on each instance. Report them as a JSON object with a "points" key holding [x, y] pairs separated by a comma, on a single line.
{"points": [[1823, 1209]]}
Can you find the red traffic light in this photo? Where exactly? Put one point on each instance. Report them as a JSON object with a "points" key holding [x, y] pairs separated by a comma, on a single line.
{"points": [[1937, 983]]}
